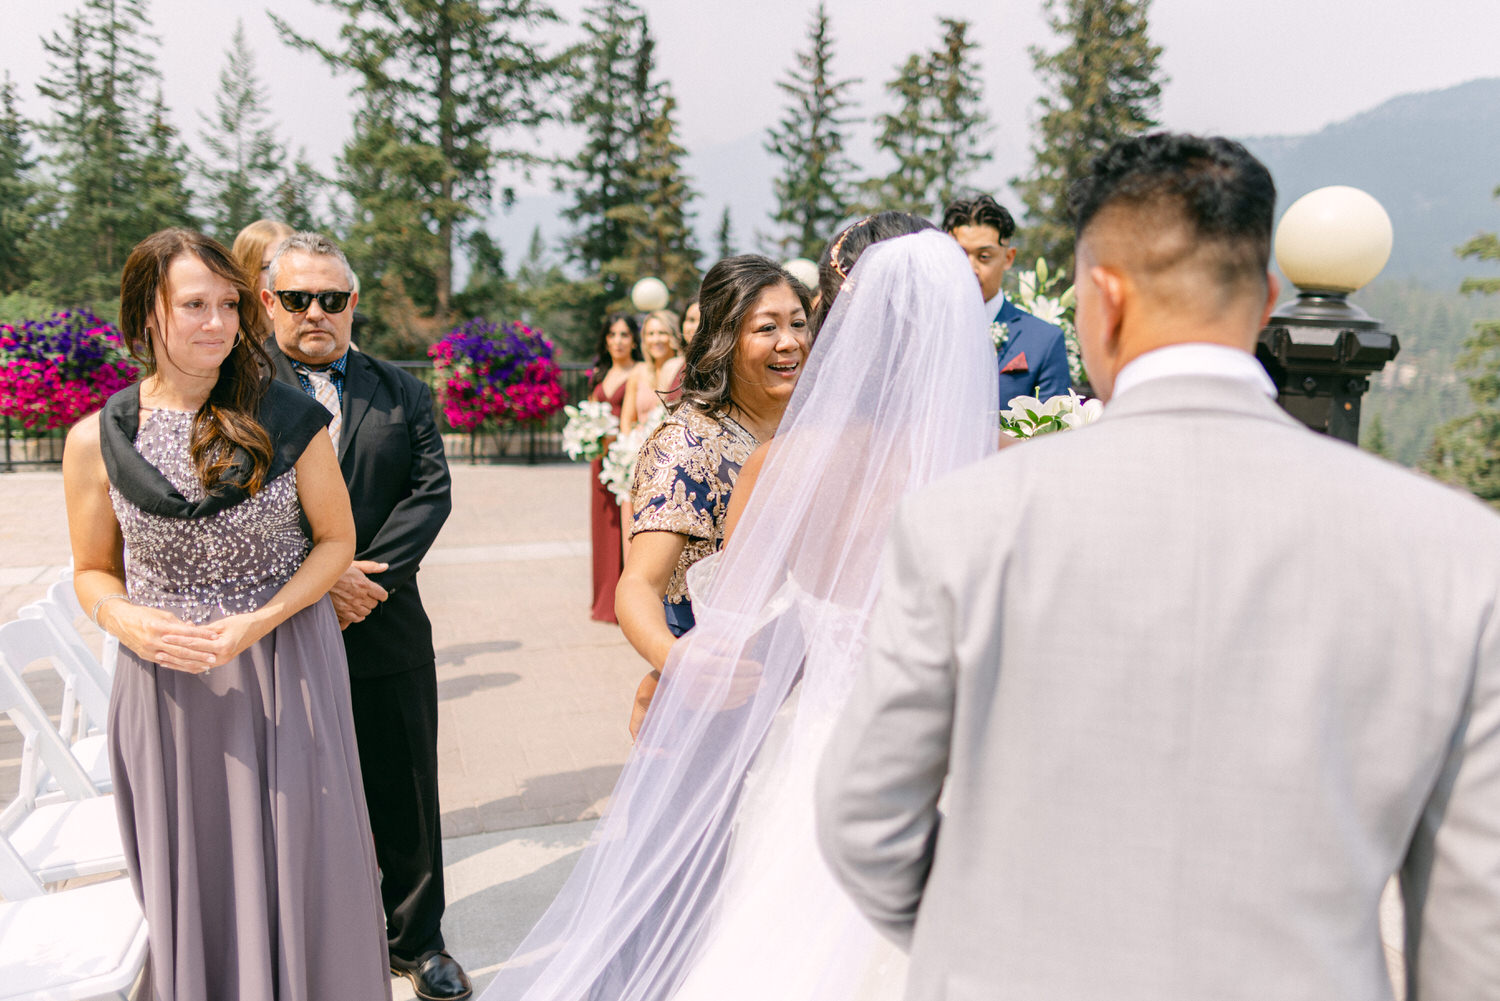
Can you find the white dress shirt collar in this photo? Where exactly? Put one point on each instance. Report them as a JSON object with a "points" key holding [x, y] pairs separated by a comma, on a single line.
{"points": [[993, 307], [1194, 359]]}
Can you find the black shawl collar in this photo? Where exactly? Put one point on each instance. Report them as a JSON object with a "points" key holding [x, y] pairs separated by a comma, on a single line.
{"points": [[290, 417]]}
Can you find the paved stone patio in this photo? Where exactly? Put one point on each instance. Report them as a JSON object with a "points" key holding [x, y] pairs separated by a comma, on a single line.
{"points": [[533, 695]]}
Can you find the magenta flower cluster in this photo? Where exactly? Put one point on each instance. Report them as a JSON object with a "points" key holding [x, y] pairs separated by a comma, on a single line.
{"points": [[493, 374], [54, 371]]}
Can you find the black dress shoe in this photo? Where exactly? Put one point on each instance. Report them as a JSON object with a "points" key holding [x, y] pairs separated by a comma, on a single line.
{"points": [[435, 976]]}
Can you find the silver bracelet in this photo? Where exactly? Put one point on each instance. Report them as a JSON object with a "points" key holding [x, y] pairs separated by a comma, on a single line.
{"points": [[94, 613]]}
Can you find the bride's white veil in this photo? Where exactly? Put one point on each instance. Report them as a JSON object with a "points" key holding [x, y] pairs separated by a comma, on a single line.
{"points": [[900, 388]]}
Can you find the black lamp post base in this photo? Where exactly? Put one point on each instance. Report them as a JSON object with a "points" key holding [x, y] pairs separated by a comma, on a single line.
{"points": [[1320, 350]]}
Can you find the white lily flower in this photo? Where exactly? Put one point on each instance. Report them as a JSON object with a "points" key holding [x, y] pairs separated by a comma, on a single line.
{"points": [[1025, 286], [1085, 412], [1048, 309], [1019, 405], [1058, 405]]}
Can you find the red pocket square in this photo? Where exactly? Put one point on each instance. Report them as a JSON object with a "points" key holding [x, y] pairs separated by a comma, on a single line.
{"points": [[1017, 364]]}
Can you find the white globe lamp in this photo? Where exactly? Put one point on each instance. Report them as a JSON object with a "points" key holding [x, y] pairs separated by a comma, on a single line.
{"points": [[1320, 349], [1334, 239], [649, 295], [804, 271]]}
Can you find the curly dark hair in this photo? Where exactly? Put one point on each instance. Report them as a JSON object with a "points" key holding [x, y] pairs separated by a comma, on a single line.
{"points": [[849, 244], [1214, 186], [979, 210], [727, 295]]}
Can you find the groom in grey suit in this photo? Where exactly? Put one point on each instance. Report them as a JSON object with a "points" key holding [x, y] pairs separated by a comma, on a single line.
{"points": [[1193, 681]]}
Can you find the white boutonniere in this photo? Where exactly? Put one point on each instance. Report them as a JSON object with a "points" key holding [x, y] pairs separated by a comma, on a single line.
{"points": [[999, 334]]}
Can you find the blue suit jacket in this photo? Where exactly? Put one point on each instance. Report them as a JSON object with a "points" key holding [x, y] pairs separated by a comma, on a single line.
{"points": [[1046, 370]]}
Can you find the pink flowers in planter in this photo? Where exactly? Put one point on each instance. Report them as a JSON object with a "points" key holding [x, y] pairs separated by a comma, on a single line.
{"points": [[491, 375], [54, 371]]}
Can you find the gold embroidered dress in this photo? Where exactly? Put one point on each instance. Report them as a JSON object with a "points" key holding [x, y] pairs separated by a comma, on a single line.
{"points": [[684, 475]]}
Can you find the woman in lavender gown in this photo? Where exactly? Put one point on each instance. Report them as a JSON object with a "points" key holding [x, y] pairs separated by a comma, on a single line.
{"points": [[231, 741]]}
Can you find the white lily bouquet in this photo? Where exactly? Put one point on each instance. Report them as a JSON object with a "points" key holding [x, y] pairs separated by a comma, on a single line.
{"points": [[1027, 417], [617, 472], [1036, 293], [589, 423]]}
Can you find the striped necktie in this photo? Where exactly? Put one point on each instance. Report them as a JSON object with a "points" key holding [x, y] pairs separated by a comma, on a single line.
{"points": [[326, 393]]}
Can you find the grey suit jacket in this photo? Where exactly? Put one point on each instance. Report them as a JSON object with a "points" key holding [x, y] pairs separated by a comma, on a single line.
{"points": [[1196, 681]]}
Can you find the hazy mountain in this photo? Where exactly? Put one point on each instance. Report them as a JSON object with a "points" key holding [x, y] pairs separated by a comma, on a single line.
{"points": [[1432, 159], [735, 174]]}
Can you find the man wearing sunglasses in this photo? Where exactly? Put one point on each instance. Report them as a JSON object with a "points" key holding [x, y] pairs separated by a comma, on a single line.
{"points": [[392, 458]]}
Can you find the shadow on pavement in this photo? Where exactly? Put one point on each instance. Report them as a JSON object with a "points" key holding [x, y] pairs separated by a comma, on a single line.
{"points": [[491, 922], [468, 684], [559, 798], [459, 653]]}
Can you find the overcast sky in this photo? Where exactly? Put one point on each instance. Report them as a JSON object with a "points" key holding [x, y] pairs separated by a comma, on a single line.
{"points": [[1241, 67]]}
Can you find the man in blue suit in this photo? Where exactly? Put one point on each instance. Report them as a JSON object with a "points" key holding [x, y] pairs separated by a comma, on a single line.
{"points": [[1032, 355]]}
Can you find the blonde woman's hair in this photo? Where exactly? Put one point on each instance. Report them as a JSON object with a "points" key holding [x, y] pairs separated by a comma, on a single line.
{"points": [[250, 246], [668, 319]]}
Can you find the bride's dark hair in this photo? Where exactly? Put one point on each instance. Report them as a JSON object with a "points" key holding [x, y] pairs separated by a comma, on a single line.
{"points": [[225, 431], [839, 256]]}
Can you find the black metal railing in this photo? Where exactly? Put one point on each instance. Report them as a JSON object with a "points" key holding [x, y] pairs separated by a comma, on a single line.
{"points": [[24, 449], [540, 441], [537, 441]]}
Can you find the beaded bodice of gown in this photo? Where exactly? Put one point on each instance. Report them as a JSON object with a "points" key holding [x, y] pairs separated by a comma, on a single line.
{"points": [[223, 564]]}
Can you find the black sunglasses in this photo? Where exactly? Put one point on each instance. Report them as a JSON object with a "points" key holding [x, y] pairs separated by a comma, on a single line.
{"points": [[296, 302]]}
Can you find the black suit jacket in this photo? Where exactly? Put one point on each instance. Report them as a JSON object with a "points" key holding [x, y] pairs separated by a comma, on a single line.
{"points": [[392, 457]]}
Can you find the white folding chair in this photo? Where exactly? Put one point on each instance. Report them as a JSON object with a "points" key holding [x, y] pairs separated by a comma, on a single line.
{"points": [[84, 943], [31, 640], [63, 840], [61, 610]]}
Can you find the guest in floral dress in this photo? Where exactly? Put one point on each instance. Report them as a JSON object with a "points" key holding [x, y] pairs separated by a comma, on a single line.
{"points": [[739, 376]]}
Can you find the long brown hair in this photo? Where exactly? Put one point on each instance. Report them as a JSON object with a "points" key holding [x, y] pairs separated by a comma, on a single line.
{"points": [[225, 428], [728, 294]]}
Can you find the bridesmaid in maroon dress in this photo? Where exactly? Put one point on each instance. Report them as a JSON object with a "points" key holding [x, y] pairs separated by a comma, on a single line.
{"points": [[619, 350]]}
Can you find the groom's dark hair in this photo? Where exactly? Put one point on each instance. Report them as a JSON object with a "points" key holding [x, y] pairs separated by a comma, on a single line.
{"points": [[1213, 186], [980, 210]]}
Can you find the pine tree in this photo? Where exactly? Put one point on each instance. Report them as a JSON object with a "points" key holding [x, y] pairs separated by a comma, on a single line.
{"points": [[462, 85], [165, 199], [724, 237], [908, 137], [1466, 451], [102, 137], [937, 132], [960, 123], [601, 176], [390, 241], [1376, 441], [298, 192], [815, 189], [1104, 84], [659, 226], [631, 196], [20, 194], [249, 160], [488, 290], [548, 299]]}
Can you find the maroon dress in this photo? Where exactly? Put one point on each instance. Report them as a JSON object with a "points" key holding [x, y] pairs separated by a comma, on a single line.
{"points": [[604, 524]]}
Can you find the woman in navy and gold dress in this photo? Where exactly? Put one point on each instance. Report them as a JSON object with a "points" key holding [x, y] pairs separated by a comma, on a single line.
{"points": [[740, 372]]}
